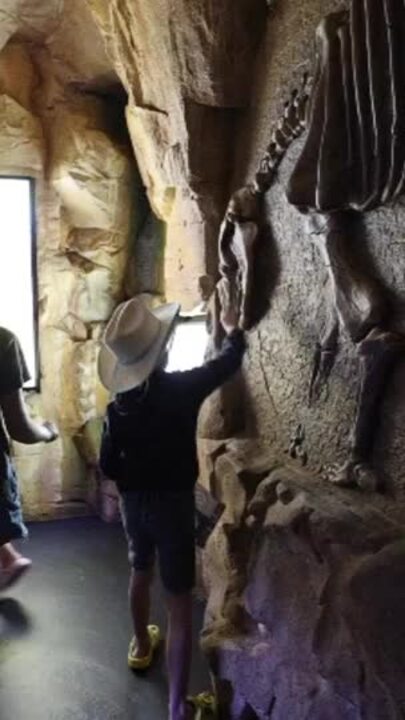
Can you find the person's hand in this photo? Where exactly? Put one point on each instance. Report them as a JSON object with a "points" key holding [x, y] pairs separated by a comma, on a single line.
{"points": [[229, 319], [53, 431], [229, 314]]}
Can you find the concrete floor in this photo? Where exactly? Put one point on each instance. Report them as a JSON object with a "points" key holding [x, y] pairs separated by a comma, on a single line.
{"points": [[64, 632]]}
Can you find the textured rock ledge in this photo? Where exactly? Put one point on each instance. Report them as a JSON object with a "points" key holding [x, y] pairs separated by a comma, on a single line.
{"points": [[306, 588]]}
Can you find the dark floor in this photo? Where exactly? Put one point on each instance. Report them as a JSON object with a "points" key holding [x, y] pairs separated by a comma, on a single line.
{"points": [[64, 632]]}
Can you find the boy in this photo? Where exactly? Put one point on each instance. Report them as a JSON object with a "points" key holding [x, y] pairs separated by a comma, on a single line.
{"points": [[149, 449]]}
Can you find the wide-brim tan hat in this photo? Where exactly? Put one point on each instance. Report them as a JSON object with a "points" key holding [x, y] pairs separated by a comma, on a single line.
{"points": [[133, 343]]}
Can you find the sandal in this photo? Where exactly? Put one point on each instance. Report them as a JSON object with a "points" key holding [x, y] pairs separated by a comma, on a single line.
{"points": [[204, 706], [143, 663]]}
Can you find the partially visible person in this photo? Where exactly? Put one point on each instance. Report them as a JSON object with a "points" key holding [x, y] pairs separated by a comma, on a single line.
{"points": [[149, 449], [15, 423]]}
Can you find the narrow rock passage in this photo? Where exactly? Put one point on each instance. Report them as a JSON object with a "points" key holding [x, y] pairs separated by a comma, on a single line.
{"points": [[64, 632]]}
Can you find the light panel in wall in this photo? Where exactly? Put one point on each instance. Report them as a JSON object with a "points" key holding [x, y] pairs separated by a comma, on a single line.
{"points": [[18, 267]]}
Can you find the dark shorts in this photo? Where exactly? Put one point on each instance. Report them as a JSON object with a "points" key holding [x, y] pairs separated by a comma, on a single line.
{"points": [[11, 519], [162, 521]]}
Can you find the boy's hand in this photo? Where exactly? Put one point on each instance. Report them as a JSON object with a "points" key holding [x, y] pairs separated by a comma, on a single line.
{"points": [[229, 320]]}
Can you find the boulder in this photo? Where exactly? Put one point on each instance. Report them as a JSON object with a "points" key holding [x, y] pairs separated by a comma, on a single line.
{"points": [[305, 601]]}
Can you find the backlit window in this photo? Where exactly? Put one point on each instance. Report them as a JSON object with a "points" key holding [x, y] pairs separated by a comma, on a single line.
{"points": [[17, 267], [189, 344]]}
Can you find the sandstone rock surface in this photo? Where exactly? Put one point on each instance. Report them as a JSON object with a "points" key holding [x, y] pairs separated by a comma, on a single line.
{"points": [[188, 74], [305, 582], [67, 70], [305, 599], [72, 75], [83, 169]]}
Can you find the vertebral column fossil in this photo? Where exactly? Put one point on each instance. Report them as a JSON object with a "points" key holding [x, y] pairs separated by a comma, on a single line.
{"points": [[242, 228]]}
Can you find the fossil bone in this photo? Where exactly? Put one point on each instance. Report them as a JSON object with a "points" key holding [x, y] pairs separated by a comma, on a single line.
{"points": [[362, 307], [241, 228], [354, 160], [354, 154], [288, 128], [237, 240]]}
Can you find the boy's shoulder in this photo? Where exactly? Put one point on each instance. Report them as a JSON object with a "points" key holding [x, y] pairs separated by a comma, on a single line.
{"points": [[179, 379]]}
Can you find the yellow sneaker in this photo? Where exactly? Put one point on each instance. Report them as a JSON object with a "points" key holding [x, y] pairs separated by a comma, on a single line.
{"points": [[204, 706], [142, 663]]}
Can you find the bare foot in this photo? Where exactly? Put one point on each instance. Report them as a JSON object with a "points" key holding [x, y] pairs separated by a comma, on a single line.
{"points": [[8, 556], [12, 566]]}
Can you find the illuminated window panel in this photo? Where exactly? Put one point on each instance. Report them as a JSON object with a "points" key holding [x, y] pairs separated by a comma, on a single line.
{"points": [[188, 346], [18, 267]]}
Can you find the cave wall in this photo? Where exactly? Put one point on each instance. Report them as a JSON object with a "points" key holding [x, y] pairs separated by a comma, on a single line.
{"points": [[300, 575], [180, 74], [304, 580], [59, 128], [187, 68]]}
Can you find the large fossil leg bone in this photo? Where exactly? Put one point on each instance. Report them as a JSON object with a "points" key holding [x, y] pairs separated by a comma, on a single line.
{"points": [[243, 243], [359, 297], [362, 306], [237, 241]]}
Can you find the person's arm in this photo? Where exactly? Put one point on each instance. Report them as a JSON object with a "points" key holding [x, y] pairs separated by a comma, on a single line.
{"points": [[13, 375], [202, 381], [19, 424]]}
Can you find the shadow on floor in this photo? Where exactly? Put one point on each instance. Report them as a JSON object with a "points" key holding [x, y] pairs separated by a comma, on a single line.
{"points": [[64, 634], [14, 620]]}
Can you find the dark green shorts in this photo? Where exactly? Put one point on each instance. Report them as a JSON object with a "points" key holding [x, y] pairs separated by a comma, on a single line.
{"points": [[162, 522]]}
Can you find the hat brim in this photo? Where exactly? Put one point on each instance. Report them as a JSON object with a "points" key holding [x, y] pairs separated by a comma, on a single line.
{"points": [[119, 378]]}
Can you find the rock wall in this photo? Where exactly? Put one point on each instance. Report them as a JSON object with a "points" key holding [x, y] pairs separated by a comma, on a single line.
{"points": [[187, 68], [63, 124], [293, 628], [181, 73], [302, 617], [311, 615]]}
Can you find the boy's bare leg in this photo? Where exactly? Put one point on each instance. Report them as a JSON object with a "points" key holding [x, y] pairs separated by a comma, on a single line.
{"points": [[178, 654], [139, 603]]}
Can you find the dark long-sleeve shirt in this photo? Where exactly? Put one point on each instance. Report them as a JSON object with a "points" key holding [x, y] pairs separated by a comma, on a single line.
{"points": [[149, 436]]}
